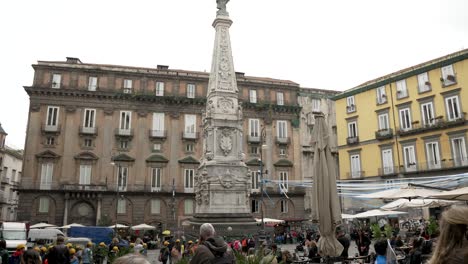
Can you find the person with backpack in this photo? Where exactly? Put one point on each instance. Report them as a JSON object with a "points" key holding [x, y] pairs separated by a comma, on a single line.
{"points": [[15, 258], [59, 254], [3, 252], [212, 249]]}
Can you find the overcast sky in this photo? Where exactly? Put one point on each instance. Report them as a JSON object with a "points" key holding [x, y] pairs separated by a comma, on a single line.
{"points": [[319, 44]]}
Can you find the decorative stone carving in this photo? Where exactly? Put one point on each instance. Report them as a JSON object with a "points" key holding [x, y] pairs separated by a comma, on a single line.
{"points": [[225, 141], [221, 5], [70, 108], [202, 194], [108, 111], [174, 115], [227, 180], [35, 107], [142, 113], [226, 105]]}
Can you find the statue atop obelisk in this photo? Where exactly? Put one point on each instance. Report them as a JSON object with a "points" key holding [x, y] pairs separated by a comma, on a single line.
{"points": [[222, 184]]}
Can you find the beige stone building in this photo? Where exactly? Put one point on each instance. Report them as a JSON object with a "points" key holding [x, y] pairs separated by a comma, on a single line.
{"points": [[107, 143]]}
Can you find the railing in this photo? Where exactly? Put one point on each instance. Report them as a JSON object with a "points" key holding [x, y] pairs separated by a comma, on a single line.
{"points": [[127, 90], [157, 133], [384, 134], [88, 130], [51, 128], [124, 132], [388, 170], [449, 80], [189, 135], [83, 187], [351, 108], [283, 140], [352, 140], [253, 139], [356, 174], [434, 124]]}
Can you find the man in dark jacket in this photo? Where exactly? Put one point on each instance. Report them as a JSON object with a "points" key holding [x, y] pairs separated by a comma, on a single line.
{"points": [[59, 254], [340, 235], [211, 249]]}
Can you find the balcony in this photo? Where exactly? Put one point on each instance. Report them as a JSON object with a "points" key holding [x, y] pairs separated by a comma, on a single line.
{"points": [[253, 139], [283, 140], [384, 134], [352, 140], [190, 135], [351, 108], [124, 132], [356, 174], [88, 130], [127, 90], [435, 124], [157, 134], [84, 187], [50, 129], [449, 80], [388, 171]]}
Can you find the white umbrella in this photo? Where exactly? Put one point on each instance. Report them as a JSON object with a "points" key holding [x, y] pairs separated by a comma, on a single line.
{"points": [[457, 194], [118, 226], [347, 216], [414, 203], [143, 227], [70, 225], [377, 212], [408, 192], [269, 221], [42, 225]]}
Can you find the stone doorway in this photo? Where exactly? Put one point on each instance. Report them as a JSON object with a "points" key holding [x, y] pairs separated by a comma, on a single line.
{"points": [[83, 213]]}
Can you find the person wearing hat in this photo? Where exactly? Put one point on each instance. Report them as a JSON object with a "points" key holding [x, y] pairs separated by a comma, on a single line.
{"points": [[87, 254], [31, 256], [73, 258], [164, 252], [15, 258], [176, 252]]}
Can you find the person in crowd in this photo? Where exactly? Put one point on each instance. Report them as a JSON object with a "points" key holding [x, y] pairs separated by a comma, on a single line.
{"points": [[452, 245], [211, 249], [363, 242], [15, 258], [399, 242], [380, 248], [340, 235], [176, 252], [415, 255], [59, 254], [4, 255], [73, 258], [131, 259], [164, 252], [313, 252], [87, 254], [31, 256]]}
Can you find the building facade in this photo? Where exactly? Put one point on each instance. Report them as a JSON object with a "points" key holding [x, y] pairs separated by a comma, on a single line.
{"points": [[11, 163], [112, 143], [410, 123]]}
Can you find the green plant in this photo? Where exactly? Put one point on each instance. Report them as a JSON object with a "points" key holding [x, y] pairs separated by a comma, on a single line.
{"points": [[433, 226], [376, 232]]}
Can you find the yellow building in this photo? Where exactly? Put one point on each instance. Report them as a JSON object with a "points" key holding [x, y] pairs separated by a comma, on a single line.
{"points": [[406, 124]]}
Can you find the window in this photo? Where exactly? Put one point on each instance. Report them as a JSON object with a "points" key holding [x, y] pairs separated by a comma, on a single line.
{"points": [[352, 129], [448, 75], [253, 96], [88, 143], [158, 125], [127, 86], [409, 156], [383, 121], [283, 181], [188, 179], [316, 105], [350, 105], [460, 157], [44, 205], [191, 90], [122, 178], [85, 174], [427, 113], [47, 170], [155, 206], [423, 83], [123, 144], [405, 119], [282, 129], [52, 118], [56, 81], [125, 122], [92, 83], [121, 206], [156, 179], [159, 88], [433, 155], [355, 166], [13, 175], [255, 180], [387, 161], [284, 206], [189, 147], [157, 147], [50, 141], [190, 128], [188, 207], [254, 127], [254, 150], [401, 89], [254, 206], [282, 151], [453, 108], [381, 96], [89, 120], [279, 98]]}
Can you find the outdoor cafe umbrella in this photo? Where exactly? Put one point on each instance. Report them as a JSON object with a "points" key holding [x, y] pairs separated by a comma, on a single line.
{"points": [[42, 225], [457, 194], [118, 226], [377, 212], [414, 203], [325, 207], [143, 227], [408, 192]]}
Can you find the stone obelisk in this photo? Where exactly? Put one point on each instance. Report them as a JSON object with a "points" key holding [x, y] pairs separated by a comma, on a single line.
{"points": [[222, 183]]}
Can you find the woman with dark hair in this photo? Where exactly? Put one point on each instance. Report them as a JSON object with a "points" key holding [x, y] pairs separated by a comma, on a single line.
{"points": [[3, 251], [363, 242]]}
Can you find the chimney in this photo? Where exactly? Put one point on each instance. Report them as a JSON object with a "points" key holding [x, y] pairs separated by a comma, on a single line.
{"points": [[73, 60], [163, 67]]}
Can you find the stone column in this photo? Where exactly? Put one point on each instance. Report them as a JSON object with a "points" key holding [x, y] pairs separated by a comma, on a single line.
{"points": [[65, 211], [98, 209]]}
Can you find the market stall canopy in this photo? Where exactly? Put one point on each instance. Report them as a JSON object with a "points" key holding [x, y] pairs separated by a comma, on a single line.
{"points": [[377, 212], [118, 226], [42, 225], [143, 227], [415, 203], [408, 192], [70, 225], [457, 194]]}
